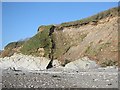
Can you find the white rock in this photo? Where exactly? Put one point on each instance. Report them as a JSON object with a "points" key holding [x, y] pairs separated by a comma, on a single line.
{"points": [[56, 63], [32, 66], [44, 63], [19, 61], [83, 63]]}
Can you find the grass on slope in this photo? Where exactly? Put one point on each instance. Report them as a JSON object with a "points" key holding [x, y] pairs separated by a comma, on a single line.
{"points": [[111, 12], [9, 49], [13, 45], [40, 40]]}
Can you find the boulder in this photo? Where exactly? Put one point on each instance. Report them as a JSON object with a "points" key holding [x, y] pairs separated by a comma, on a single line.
{"points": [[83, 63]]}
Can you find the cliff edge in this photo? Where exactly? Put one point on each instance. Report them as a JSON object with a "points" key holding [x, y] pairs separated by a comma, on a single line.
{"points": [[95, 37]]}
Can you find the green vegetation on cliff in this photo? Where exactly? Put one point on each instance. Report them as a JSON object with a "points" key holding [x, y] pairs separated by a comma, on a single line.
{"points": [[111, 12], [58, 44], [11, 48], [13, 45], [40, 40]]}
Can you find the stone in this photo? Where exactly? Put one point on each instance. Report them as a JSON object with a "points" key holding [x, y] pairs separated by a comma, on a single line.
{"points": [[44, 63], [23, 62], [56, 63], [41, 51], [83, 63]]}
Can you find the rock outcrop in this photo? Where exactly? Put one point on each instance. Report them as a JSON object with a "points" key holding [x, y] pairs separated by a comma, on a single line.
{"points": [[24, 62], [83, 63]]}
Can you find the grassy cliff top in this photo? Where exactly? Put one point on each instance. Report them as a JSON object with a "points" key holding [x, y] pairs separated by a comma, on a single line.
{"points": [[13, 45], [95, 18], [108, 13]]}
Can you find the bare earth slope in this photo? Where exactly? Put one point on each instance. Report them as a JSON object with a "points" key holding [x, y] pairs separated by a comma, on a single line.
{"points": [[99, 42]]}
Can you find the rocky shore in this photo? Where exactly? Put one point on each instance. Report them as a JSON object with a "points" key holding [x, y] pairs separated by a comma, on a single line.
{"points": [[59, 79], [21, 71], [24, 62]]}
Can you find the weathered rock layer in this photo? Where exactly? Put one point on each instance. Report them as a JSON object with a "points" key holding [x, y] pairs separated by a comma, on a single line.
{"points": [[24, 62]]}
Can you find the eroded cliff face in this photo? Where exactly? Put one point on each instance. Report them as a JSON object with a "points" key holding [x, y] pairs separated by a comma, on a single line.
{"points": [[95, 37], [99, 42]]}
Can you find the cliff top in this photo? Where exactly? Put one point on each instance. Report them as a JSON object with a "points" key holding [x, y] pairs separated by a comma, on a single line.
{"points": [[95, 18]]}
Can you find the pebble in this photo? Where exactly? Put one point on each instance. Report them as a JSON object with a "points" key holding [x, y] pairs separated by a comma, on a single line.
{"points": [[58, 77]]}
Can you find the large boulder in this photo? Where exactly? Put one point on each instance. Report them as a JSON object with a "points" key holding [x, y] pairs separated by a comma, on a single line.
{"points": [[83, 63]]}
